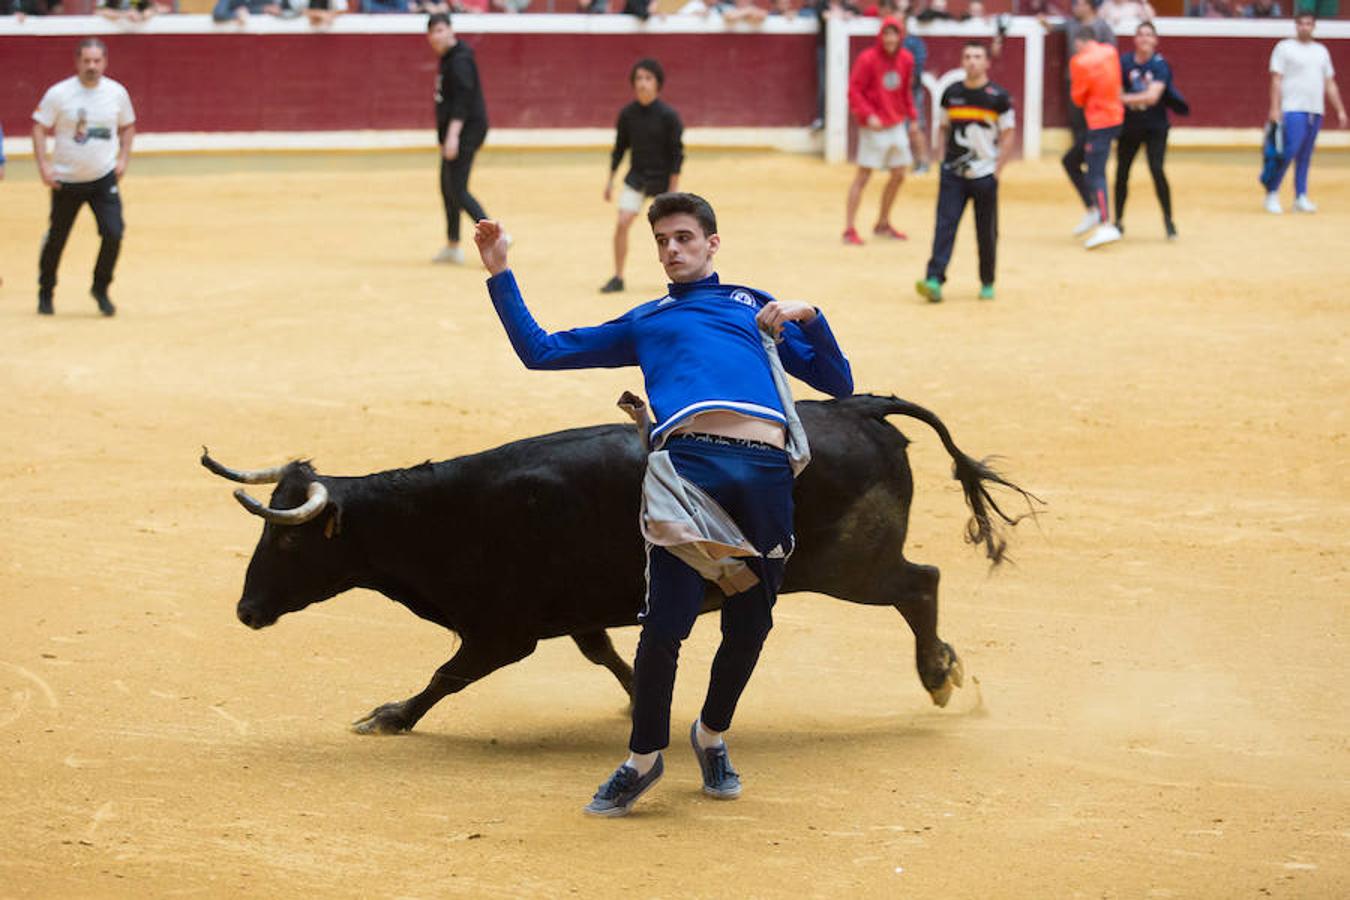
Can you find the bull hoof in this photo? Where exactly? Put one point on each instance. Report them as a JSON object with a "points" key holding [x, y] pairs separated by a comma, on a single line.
{"points": [[391, 718], [955, 678]]}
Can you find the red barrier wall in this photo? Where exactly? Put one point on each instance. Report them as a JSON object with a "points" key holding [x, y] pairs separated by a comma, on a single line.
{"points": [[324, 82]]}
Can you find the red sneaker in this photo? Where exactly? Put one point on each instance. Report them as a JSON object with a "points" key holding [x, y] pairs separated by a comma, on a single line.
{"points": [[851, 237], [887, 231]]}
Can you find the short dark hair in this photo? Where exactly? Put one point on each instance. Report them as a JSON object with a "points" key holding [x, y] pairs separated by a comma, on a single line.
{"points": [[650, 65], [438, 19], [976, 45], [89, 42], [1305, 14], [1147, 23], [670, 204]]}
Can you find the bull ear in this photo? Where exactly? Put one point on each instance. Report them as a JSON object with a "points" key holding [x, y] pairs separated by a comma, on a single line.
{"points": [[333, 525]]}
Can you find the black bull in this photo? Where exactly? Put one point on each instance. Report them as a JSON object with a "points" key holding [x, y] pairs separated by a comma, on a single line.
{"points": [[539, 539]]}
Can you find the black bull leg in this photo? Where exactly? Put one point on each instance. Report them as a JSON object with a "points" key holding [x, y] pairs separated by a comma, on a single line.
{"points": [[599, 649], [475, 659]]}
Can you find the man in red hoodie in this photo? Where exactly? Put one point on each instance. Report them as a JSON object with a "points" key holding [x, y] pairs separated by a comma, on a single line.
{"points": [[881, 99]]}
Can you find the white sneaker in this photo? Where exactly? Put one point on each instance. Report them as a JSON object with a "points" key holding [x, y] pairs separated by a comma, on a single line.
{"points": [[1304, 205], [1273, 204], [1090, 220], [450, 255], [1105, 234]]}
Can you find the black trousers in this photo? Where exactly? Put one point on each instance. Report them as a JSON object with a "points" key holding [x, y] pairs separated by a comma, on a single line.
{"points": [[1075, 158], [754, 486], [106, 202], [953, 194], [455, 187], [1127, 145]]}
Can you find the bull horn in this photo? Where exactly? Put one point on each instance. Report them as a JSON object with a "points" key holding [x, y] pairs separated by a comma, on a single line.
{"points": [[318, 499], [254, 476]]}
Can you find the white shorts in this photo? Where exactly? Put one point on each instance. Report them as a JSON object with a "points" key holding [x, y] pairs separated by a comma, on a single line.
{"points": [[884, 148], [630, 200]]}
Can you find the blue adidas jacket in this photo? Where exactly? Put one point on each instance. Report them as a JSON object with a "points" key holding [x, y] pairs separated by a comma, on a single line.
{"points": [[698, 347]]}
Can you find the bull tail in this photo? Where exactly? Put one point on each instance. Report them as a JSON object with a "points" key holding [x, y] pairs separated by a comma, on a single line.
{"points": [[987, 519]]}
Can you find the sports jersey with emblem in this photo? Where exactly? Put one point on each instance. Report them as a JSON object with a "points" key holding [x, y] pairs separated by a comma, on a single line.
{"points": [[975, 117], [698, 347], [1136, 77]]}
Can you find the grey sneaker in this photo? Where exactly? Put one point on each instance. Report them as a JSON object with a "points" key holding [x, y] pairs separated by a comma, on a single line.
{"points": [[617, 796], [720, 780]]}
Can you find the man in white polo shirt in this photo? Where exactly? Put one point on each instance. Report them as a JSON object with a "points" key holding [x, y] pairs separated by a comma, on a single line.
{"points": [[1301, 76], [92, 123]]}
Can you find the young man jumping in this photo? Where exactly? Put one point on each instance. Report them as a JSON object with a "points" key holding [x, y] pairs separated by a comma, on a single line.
{"points": [[726, 443], [652, 129]]}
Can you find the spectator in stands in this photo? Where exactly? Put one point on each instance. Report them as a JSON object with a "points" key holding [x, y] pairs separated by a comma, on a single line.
{"points": [[1040, 9], [131, 10], [935, 11], [428, 7], [21, 8], [240, 10], [786, 10], [1262, 9], [974, 12], [744, 11], [1213, 9], [1125, 15], [511, 6], [319, 13], [472, 7], [642, 9], [593, 7], [380, 7], [882, 101]]}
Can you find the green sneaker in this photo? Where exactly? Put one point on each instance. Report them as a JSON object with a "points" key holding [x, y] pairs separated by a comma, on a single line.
{"points": [[930, 289], [986, 292]]}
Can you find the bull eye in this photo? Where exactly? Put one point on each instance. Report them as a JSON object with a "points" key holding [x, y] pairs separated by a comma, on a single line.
{"points": [[289, 540]]}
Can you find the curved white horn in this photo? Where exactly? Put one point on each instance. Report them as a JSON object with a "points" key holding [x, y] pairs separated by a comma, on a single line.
{"points": [[253, 476], [318, 499]]}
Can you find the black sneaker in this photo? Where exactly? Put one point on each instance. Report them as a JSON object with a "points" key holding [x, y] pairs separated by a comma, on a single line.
{"points": [[105, 305], [720, 780], [44, 303], [1171, 230], [617, 796], [613, 286]]}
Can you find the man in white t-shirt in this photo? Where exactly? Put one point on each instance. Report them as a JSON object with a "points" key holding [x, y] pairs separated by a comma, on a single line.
{"points": [[1301, 75], [92, 124]]}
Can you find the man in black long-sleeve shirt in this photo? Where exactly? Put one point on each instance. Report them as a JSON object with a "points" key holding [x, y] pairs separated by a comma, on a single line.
{"points": [[652, 130], [461, 127]]}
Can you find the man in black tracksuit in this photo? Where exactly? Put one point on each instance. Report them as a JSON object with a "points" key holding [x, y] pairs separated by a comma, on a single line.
{"points": [[461, 128]]}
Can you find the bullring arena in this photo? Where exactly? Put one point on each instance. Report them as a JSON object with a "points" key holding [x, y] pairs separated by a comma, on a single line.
{"points": [[1154, 703]]}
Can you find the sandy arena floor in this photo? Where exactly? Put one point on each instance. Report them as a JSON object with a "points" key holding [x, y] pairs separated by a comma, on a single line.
{"points": [[1161, 709]]}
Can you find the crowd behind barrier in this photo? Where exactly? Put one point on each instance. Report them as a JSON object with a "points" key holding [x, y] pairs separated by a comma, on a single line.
{"points": [[773, 97]]}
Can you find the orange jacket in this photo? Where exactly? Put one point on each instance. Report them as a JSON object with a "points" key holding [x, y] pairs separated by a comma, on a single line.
{"points": [[1094, 84]]}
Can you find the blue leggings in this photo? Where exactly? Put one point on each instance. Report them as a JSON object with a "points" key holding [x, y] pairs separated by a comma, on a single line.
{"points": [[754, 486], [1300, 135], [1097, 149]]}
